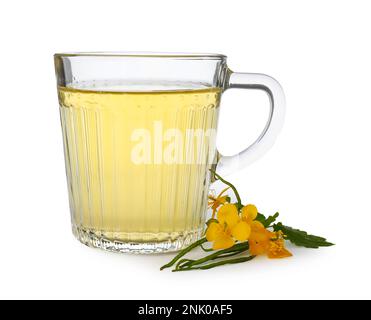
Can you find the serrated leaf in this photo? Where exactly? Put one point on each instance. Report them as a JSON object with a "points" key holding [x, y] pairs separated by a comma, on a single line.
{"points": [[267, 221], [301, 238], [261, 218], [271, 219]]}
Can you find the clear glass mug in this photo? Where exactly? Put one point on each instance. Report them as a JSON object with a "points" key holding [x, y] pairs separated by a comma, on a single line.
{"points": [[139, 134]]}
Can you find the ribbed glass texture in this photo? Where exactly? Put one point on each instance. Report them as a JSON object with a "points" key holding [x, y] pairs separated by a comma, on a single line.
{"points": [[138, 165]]}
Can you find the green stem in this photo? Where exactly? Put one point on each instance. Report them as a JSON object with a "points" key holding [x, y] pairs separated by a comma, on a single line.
{"points": [[236, 249], [205, 249], [227, 255], [217, 264], [183, 262], [184, 252], [239, 204]]}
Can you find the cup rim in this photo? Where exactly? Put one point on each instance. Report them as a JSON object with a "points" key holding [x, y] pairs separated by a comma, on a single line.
{"points": [[144, 54]]}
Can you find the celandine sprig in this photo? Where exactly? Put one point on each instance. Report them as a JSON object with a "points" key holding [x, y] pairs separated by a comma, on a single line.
{"points": [[238, 233]]}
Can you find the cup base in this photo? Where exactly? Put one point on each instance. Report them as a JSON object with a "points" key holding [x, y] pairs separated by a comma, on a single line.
{"points": [[91, 239]]}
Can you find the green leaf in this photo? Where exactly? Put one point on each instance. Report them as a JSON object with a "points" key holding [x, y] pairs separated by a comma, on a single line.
{"points": [[271, 219], [261, 218], [267, 221], [301, 238]]}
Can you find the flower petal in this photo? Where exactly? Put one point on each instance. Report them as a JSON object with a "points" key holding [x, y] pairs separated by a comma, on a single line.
{"points": [[277, 250], [223, 241], [228, 214], [241, 231], [257, 248], [213, 230], [257, 226], [259, 239], [249, 212], [284, 253]]}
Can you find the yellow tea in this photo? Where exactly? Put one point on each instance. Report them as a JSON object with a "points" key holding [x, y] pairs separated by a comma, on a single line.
{"points": [[137, 162]]}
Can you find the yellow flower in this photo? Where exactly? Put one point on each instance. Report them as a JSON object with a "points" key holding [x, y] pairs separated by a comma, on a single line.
{"points": [[263, 241], [249, 213], [215, 202], [277, 248], [229, 228], [259, 239], [220, 235], [242, 229], [228, 214]]}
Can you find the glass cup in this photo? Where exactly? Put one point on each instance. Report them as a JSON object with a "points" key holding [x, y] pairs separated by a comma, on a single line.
{"points": [[139, 133]]}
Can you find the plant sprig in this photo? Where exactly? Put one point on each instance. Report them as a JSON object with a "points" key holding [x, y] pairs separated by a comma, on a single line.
{"points": [[217, 264], [301, 238], [184, 252], [188, 263], [267, 236]]}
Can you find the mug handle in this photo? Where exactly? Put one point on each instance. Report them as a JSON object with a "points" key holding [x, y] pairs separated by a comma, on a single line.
{"points": [[229, 164]]}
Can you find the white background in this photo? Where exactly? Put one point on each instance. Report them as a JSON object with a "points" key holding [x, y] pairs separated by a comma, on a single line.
{"points": [[318, 174]]}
